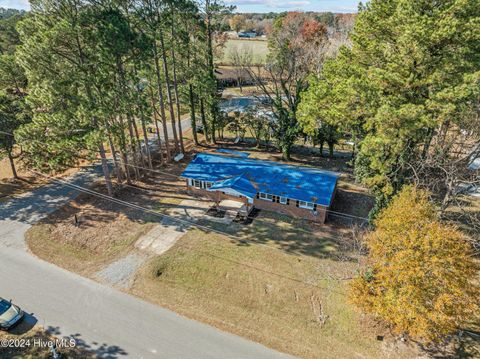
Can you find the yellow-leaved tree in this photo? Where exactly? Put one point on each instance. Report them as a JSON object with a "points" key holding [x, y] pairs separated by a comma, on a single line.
{"points": [[420, 276]]}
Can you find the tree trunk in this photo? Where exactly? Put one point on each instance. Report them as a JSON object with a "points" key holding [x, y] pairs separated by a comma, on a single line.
{"points": [[169, 93], [124, 151], [192, 114], [118, 171], [330, 149], [286, 152], [211, 66], [139, 143], [126, 166], [147, 145], [142, 121], [161, 101], [321, 148], [214, 140], [133, 149], [106, 170], [175, 88], [204, 121], [157, 129], [12, 165]]}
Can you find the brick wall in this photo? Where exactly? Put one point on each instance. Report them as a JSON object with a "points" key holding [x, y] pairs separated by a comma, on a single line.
{"points": [[290, 210], [215, 196]]}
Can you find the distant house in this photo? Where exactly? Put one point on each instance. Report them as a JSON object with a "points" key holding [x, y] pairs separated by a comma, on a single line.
{"points": [[292, 190], [247, 34]]}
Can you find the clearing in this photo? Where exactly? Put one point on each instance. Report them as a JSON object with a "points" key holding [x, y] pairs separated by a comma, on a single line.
{"points": [[257, 47]]}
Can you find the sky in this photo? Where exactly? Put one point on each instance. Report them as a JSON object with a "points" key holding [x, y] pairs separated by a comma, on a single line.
{"points": [[254, 5], [289, 5]]}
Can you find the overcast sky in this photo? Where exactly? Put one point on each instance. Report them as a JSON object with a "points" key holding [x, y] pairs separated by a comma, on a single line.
{"points": [[254, 5]]}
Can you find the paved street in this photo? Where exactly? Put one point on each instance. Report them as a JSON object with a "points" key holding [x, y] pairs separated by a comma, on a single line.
{"points": [[112, 323]]}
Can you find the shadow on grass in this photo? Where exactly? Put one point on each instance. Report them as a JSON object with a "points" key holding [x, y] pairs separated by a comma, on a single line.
{"points": [[97, 350]]}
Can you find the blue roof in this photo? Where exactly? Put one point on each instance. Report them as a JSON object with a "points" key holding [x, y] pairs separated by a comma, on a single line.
{"points": [[298, 183], [239, 183]]}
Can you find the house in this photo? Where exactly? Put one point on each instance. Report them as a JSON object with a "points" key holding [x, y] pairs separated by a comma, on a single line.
{"points": [[247, 34], [292, 190]]}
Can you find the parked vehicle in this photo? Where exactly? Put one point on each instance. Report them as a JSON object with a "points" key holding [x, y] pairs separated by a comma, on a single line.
{"points": [[10, 314]]}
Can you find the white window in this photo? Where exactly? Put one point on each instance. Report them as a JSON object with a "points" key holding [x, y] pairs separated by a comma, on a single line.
{"points": [[197, 183], [307, 205], [283, 200], [266, 197], [208, 184]]}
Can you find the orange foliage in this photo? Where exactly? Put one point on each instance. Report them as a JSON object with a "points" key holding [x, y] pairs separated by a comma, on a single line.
{"points": [[420, 275]]}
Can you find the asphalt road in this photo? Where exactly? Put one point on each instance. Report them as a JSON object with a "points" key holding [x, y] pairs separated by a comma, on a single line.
{"points": [[111, 323]]}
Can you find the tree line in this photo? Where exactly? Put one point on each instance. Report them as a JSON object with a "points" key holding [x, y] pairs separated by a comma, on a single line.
{"points": [[93, 75]]}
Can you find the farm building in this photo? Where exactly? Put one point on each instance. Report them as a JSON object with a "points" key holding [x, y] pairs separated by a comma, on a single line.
{"points": [[292, 190]]}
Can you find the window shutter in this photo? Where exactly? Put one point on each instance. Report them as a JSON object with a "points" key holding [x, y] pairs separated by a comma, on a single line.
{"points": [[258, 194], [288, 201], [314, 207], [297, 204]]}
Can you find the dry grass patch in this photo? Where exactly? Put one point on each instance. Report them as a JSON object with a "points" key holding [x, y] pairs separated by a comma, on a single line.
{"points": [[258, 48], [36, 351], [296, 304], [105, 233]]}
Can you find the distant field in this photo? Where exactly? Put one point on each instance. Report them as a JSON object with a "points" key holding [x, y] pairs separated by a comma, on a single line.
{"points": [[259, 49]]}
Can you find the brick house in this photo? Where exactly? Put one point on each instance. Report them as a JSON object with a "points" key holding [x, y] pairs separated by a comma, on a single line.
{"points": [[292, 190]]}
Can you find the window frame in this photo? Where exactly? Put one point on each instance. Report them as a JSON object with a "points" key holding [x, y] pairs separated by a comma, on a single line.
{"points": [[306, 205], [266, 197]]}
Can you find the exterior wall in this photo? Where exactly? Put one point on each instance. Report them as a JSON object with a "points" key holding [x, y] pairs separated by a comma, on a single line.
{"points": [[290, 210], [216, 196]]}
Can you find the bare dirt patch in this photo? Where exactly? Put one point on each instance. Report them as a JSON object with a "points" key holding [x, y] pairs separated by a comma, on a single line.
{"points": [[27, 181]]}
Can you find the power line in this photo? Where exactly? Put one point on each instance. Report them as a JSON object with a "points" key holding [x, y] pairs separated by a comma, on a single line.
{"points": [[187, 223], [329, 211], [184, 222], [351, 216]]}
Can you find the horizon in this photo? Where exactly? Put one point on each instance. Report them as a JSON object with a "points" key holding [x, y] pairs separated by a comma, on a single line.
{"points": [[253, 6]]}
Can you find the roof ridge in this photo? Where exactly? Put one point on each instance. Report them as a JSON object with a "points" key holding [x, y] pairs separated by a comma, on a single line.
{"points": [[249, 159]]}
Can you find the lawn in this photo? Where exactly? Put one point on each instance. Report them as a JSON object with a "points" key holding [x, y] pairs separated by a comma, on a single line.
{"points": [[291, 302], [258, 48]]}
